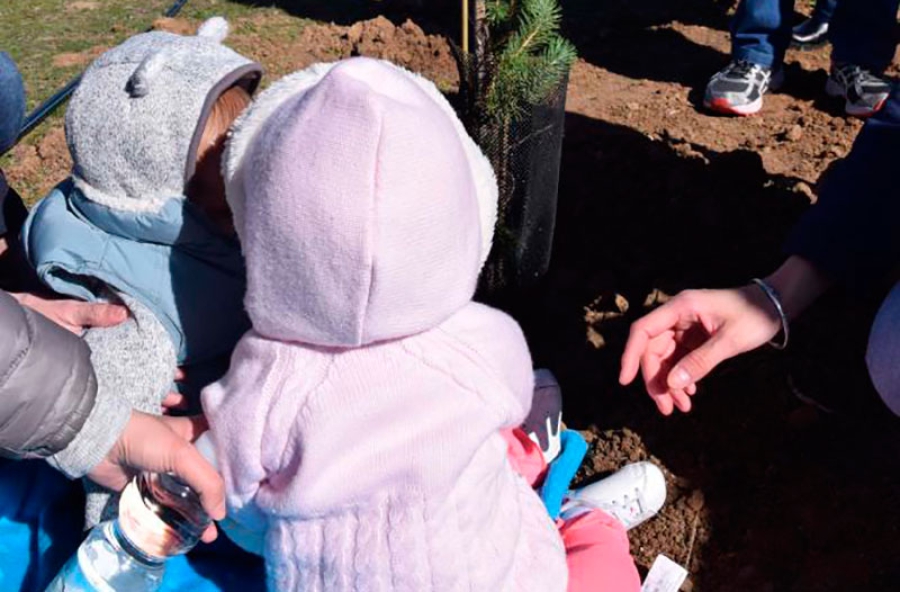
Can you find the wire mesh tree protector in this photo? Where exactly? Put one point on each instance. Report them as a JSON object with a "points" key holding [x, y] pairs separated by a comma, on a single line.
{"points": [[513, 92], [526, 158]]}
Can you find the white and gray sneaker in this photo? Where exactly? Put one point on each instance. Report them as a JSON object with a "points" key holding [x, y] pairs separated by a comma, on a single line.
{"points": [[544, 422], [864, 93], [633, 494], [812, 32], [739, 87]]}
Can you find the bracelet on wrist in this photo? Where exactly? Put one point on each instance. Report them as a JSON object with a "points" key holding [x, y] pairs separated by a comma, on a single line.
{"points": [[775, 298]]}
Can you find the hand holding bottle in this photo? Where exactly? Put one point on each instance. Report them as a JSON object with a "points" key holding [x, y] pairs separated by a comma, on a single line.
{"points": [[163, 445]]}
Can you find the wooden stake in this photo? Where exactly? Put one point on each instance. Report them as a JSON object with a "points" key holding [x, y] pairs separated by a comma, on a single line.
{"points": [[465, 26]]}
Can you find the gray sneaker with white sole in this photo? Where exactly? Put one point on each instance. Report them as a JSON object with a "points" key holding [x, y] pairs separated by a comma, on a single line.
{"points": [[863, 92]]}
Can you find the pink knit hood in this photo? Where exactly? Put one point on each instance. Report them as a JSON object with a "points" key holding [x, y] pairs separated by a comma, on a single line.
{"points": [[355, 220], [358, 429]]}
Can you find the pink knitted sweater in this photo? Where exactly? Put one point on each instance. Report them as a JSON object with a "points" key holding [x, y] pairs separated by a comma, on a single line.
{"points": [[358, 430]]}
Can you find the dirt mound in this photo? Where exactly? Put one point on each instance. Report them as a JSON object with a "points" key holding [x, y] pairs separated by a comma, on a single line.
{"points": [[407, 45]]}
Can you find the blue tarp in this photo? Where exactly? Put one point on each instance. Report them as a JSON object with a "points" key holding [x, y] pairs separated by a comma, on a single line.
{"points": [[41, 514]]}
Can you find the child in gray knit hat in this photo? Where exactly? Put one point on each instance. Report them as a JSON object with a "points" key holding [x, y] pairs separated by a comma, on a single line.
{"points": [[143, 219]]}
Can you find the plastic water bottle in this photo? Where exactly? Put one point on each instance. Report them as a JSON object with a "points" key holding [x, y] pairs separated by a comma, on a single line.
{"points": [[159, 517]]}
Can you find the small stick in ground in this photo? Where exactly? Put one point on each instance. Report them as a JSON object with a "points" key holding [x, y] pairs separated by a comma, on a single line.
{"points": [[694, 527]]}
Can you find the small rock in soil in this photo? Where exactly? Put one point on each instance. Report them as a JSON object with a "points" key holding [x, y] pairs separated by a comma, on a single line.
{"points": [[794, 133], [803, 188], [696, 501], [655, 297], [595, 338]]}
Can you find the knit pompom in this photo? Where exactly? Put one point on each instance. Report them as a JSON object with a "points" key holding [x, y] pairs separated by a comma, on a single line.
{"points": [[215, 28]]}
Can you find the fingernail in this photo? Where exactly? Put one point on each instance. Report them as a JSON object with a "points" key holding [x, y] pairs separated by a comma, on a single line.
{"points": [[680, 378]]}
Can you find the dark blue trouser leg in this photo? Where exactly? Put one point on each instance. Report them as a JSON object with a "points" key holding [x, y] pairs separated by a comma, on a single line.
{"points": [[761, 31], [825, 10], [12, 102], [862, 33]]}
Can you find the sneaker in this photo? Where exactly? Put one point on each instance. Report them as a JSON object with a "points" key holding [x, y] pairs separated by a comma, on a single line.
{"points": [[633, 494], [544, 423], [810, 33], [865, 93], [738, 88]]}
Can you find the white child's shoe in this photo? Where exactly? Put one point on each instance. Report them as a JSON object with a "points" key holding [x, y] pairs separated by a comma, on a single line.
{"points": [[633, 494]]}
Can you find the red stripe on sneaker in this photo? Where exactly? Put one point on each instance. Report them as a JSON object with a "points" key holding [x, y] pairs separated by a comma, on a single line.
{"points": [[723, 106]]}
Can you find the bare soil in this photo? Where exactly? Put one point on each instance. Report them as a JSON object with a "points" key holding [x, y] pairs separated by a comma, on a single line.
{"points": [[766, 493]]}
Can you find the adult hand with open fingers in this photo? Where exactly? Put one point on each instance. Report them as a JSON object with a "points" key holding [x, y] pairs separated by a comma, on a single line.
{"points": [[679, 343], [75, 315], [163, 445]]}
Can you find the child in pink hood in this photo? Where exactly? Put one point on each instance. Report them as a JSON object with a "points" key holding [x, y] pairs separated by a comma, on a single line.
{"points": [[364, 429]]}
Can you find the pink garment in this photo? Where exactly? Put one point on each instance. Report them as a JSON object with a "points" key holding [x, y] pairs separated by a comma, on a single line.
{"points": [[597, 550], [359, 428]]}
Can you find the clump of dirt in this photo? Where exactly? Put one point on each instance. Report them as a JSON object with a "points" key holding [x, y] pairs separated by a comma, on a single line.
{"points": [[37, 168], [406, 45], [178, 26], [82, 58], [81, 5]]}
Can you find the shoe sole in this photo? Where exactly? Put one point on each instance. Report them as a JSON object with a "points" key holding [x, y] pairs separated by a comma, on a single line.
{"points": [[833, 89], [725, 108], [808, 45]]}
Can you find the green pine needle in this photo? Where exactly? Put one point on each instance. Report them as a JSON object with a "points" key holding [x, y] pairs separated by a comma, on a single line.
{"points": [[530, 59]]}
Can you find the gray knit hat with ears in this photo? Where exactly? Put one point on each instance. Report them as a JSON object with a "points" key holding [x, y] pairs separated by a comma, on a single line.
{"points": [[134, 124]]}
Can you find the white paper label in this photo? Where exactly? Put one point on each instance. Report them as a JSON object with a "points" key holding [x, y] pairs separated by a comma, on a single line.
{"points": [[665, 576]]}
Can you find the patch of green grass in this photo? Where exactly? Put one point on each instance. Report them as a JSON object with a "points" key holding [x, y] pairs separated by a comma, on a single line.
{"points": [[37, 31]]}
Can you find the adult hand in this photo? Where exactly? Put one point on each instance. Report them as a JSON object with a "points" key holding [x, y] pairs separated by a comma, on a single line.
{"points": [[174, 402], [163, 445], [73, 314], [678, 344]]}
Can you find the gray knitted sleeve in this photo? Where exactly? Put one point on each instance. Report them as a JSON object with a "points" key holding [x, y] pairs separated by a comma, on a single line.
{"points": [[102, 428], [134, 361]]}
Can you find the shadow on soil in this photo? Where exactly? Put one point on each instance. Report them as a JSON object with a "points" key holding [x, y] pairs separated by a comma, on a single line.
{"points": [[633, 38], [798, 500], [636, 40]]}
